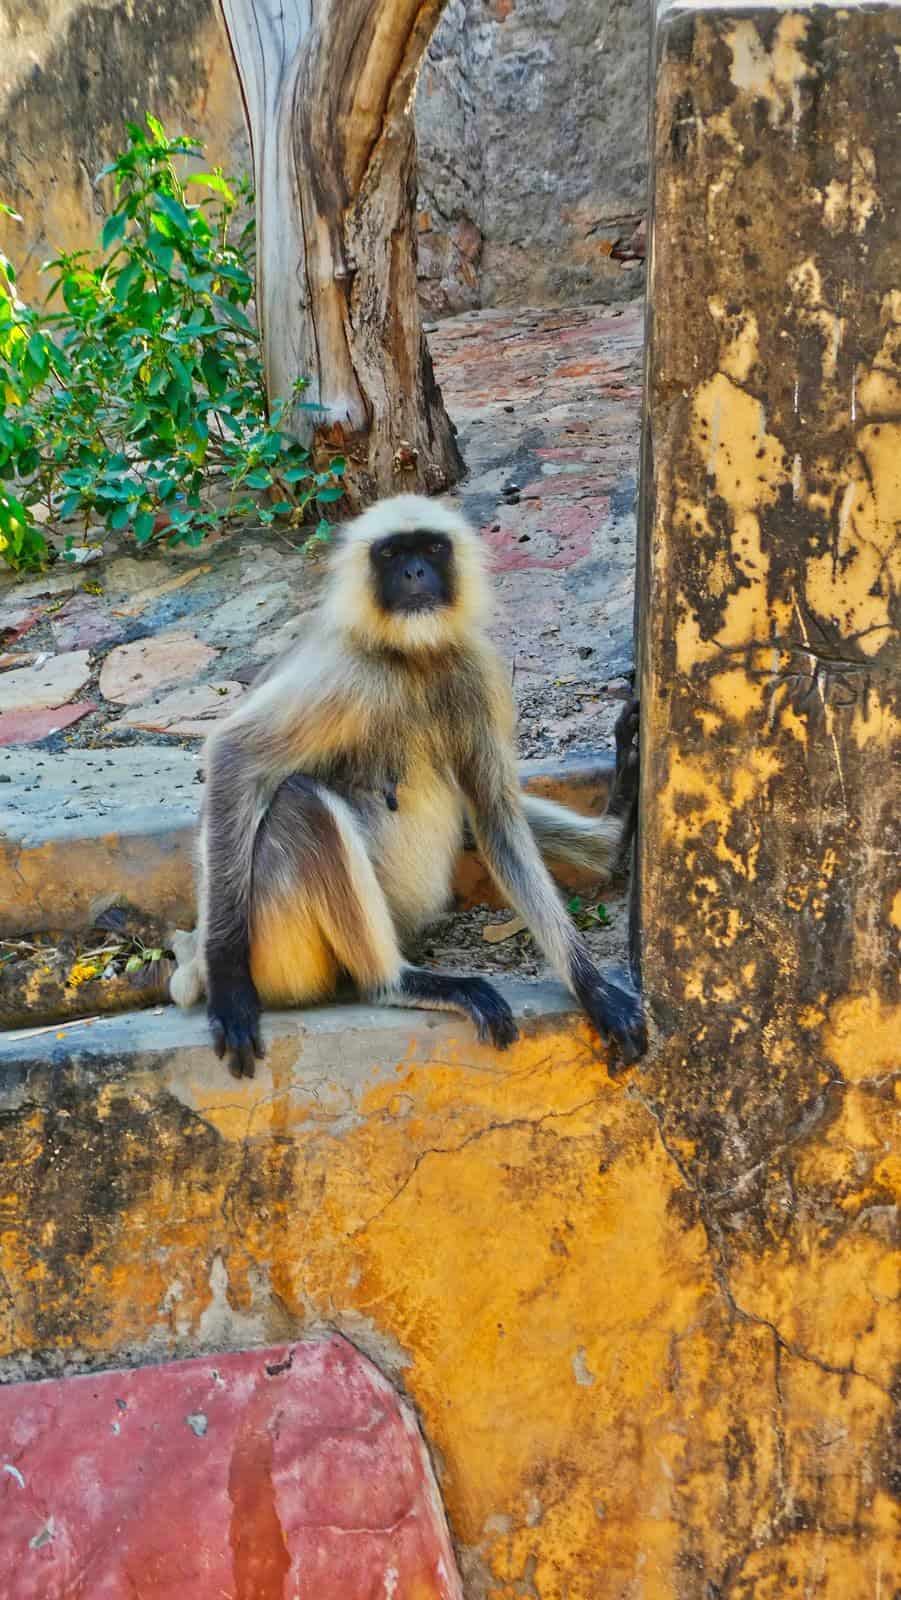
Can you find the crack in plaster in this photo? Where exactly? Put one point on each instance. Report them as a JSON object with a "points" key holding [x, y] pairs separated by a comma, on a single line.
{"points": [[721, 1275], [471, 1138]]}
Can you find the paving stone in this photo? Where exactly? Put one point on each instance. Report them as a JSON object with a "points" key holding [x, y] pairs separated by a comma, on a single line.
{"points": [[272, 643], [86, 623], [17, 619], [18, 658], [133, 672], [29, 727], [241, 618], [189, 712], [147, 597], [49, 684], [128, 576], [49, 583], [296, 1469]]}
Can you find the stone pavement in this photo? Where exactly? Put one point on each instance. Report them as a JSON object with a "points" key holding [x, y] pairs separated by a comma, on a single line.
{"points": [[112, 673]]}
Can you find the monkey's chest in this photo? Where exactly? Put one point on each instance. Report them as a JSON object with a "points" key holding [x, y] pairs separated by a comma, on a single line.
{"points": [[416, 845]]}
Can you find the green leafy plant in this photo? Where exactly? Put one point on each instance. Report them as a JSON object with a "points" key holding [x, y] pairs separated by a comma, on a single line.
{"points": [[586, 917], [139, 401]]}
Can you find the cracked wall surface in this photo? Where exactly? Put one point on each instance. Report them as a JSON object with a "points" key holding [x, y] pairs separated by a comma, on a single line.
{"points": [[620, 1401]]}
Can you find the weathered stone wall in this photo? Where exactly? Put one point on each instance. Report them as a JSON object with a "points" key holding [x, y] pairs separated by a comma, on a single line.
{"points": [[558, 95], [530, 117]]}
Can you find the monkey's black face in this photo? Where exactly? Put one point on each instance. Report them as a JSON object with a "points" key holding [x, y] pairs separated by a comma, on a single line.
{"points": [[413, 572]]}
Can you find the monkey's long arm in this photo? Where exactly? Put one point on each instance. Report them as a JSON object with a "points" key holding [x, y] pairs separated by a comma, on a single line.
{"points": [[511, 852], [234, 804]]}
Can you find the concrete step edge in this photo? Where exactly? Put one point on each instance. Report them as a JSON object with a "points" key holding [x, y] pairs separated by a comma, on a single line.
{"points": [[59, 878], [343, 1040]]}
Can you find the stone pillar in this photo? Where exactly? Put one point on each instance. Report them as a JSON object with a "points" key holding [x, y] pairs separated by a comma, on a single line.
{"points": [[769, 904]]}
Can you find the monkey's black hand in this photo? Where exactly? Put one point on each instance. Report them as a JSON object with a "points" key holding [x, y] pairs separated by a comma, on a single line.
{"points": [[614, 1008], [233, 1009]]}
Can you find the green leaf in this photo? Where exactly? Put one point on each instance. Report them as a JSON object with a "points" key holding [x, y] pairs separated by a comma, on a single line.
{"points": [[113, 229], [215, 372], [200, 282], [78, 477], [143, 526], [126, 280], [232, 314], [181, 372], [328, 496], [156, 128], [176, 212], [259, 479], [120, 516], [295, 474], [215, 181], [163, 254], [38, 354]]}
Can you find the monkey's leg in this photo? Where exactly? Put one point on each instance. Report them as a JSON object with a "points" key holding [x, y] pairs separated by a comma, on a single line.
{"points": [[186, 986], [318, 908], [453, 991]]}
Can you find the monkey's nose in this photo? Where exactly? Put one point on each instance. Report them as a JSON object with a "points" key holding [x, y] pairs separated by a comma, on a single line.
{"points": [[414, 574]]}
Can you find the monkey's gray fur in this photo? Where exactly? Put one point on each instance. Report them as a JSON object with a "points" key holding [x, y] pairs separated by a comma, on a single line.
{"points": [[337, 791]]}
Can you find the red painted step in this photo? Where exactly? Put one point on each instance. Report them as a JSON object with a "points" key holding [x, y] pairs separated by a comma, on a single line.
{"points": [[295, 1473]]}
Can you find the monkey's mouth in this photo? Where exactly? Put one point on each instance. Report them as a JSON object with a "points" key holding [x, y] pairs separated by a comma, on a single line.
{"points": [[415, 604]]}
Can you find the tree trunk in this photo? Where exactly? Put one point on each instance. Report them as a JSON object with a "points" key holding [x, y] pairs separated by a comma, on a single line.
{"points": [[328, 90]]}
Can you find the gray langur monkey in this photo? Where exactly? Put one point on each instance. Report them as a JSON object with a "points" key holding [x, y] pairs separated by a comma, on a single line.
{"points": [[337, 791]]}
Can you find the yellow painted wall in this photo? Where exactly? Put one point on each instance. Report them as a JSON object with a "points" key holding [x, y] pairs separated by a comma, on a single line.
{"points": [[615, 1409]]}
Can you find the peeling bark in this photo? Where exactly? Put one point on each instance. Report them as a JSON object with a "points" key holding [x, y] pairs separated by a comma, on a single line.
{"points": [[328, 89]]}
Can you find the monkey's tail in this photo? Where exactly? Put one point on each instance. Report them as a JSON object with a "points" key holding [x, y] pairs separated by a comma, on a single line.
{"points": [[187, 985]]}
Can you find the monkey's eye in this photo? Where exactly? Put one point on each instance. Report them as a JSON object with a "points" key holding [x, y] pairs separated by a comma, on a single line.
{"points": [[435, 549]]}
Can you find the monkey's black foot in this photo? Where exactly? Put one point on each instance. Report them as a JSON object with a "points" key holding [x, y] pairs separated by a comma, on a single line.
{"points": [[234, 1018], [449, 991], [615, 1009], [490, 1013], [626, 734], [624, 797]]}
